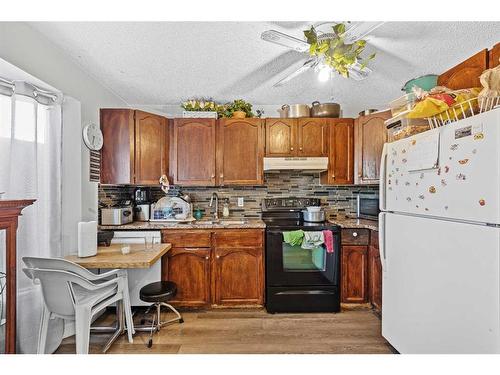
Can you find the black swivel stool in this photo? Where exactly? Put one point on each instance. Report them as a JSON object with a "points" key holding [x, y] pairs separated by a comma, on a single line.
{"points": [[158, 293]]}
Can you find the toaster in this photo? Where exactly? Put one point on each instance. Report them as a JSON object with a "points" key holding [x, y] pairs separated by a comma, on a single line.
{"points": [[116, 215]]}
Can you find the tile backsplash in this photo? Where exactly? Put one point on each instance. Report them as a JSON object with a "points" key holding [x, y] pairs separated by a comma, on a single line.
{"points": [[339, 199]]}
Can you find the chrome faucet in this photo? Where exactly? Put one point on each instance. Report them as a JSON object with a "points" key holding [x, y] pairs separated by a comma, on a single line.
{"points": [[216, 211]]}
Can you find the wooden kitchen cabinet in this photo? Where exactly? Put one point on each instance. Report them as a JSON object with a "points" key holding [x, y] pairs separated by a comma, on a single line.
{"points": [[289, 137], [193, 152], [354, 265], [238, 276], [151, 148], [215, 267], [375, 272], [189, 268], [370, 134], [340, 152], [240, 152], [494, 56], [135, 149], [466, 74], [281, 137], [312, 137], [238, 267]]}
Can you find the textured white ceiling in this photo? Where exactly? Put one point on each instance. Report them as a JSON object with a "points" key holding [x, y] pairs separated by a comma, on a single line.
{"points": [[162, 63]]}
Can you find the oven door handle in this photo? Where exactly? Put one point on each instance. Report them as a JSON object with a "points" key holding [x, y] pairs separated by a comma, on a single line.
{"points": [[295, 292]]}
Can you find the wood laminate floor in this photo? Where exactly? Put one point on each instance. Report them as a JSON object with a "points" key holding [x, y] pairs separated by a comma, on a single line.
{"points": [[243, 331]]}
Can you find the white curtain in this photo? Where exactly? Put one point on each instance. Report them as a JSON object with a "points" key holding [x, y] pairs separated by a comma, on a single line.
{"points": [[30, 167]]}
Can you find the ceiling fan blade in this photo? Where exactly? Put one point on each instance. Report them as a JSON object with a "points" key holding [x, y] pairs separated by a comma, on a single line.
{"points": [[358, 74], [311, 63], [285, 40], [358, 30]]}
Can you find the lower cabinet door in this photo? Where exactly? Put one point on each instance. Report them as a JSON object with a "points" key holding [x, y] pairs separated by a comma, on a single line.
{"points": [[354, 271], [189, 268], [238, 276], [375, 272]]}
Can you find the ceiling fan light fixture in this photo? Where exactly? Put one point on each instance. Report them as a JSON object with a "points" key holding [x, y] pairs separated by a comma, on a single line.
{"points": [[324, 73]]}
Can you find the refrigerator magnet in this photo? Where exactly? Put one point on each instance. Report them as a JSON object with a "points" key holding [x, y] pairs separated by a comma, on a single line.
{"points": [[454, 147], [432, 189], [482, 202], [463, 161], [443, 182], [446, 169], [461, 177], [421, 196], [478, 136]]}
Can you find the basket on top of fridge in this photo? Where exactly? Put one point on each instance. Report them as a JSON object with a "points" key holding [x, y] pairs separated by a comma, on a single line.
{"points": [[421, 110]]}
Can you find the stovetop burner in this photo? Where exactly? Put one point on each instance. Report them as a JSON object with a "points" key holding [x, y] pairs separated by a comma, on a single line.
{"points": [[286, 213], [288, 203]]}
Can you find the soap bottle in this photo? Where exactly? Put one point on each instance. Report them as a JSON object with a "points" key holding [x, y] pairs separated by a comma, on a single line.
{"points": [[225, 209]]}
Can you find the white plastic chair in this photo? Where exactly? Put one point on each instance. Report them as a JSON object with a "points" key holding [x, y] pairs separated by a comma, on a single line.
{"points": [[71, 296]]}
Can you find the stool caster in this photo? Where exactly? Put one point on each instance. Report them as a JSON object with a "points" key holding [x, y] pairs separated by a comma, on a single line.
{"points": [[143, 321], [150, 343], [181, 320]]}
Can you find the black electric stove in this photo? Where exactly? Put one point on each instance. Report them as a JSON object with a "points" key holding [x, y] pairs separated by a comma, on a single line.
{"points": [[297, 279]]}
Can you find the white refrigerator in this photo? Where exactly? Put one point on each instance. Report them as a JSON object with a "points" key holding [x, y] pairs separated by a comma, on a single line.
{"points": [[440, 238]]}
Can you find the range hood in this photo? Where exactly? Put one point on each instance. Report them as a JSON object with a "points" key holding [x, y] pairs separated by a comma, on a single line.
{"points": [[317, 164]]}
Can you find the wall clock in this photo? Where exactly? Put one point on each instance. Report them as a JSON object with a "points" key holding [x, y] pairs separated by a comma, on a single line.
{"points": [[92, 136]]}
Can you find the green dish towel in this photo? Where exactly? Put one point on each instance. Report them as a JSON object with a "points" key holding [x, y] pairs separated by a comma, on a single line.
{"points": [[293, 237]]}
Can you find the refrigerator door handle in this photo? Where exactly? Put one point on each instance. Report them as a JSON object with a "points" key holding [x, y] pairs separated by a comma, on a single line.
{"points": [[382, 187], [381, 240]]}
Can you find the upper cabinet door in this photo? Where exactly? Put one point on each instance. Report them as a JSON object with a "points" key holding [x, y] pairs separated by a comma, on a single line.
{"points": [[150, 148], [281, 135], [370, 134], [494, 56], [117, 154], [193, 152], [341, 152], [240, 151], [466, 74], [312, 136]]}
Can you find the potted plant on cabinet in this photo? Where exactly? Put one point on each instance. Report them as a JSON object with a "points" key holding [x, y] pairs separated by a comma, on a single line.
{"points": [[238, 109]]}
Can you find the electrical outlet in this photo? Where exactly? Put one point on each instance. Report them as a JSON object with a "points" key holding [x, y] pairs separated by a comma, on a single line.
{"points": [[240, 202]]}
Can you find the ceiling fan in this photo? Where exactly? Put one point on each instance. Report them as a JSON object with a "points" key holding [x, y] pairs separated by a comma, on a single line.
{"points": [[354, 31]]}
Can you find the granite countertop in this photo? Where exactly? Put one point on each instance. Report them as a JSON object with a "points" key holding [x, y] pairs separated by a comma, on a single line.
{"points": [[351, 222], [199, 224]]}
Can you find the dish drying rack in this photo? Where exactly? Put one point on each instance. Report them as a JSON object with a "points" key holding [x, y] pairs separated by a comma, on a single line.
{"points": [[465, 109]]}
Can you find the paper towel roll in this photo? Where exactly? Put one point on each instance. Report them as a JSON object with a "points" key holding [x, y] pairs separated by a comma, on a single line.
{"points": [[87, 239]]}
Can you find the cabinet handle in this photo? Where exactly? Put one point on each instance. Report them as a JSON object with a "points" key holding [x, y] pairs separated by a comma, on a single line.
{"points": [[221, 175], [355, 234], [333, 176], [212, 176], [300, 148], [207, 257], [291, 148], [217, 256]]}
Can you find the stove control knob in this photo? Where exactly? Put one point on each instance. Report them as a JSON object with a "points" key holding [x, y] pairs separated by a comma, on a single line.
{"points": [[355, 234]]}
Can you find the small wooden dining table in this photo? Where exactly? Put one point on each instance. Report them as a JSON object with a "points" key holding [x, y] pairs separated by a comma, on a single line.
{"points": [[140, 256]]}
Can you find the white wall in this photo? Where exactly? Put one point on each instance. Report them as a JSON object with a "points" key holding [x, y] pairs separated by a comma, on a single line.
{"points": [[23, 47]]}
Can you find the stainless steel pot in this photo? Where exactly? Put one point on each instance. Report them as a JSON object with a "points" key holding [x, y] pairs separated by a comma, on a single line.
{"points": [[313, 216], [296, 110], [325, 109]]}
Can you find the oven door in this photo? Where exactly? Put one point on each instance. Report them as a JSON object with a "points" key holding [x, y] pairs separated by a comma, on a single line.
{"points": [[294, 266]]}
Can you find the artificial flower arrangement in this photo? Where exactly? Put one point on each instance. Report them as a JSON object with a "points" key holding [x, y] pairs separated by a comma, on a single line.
{"points": [[335, 52], [236, 109]]}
